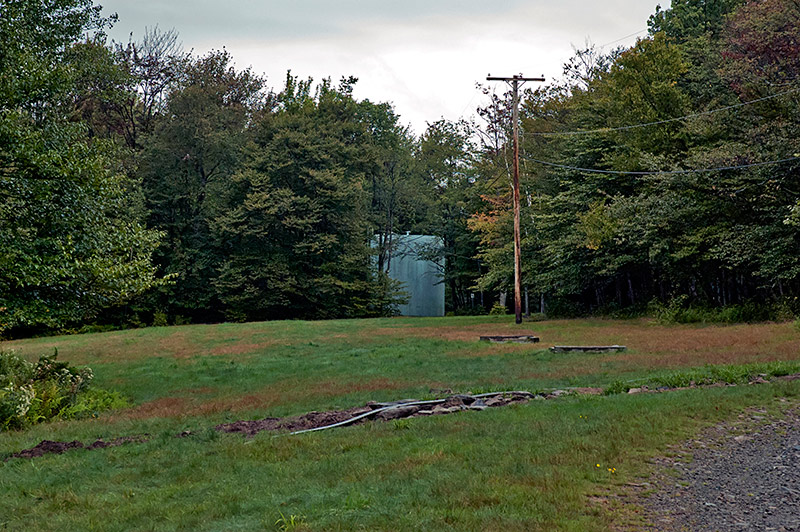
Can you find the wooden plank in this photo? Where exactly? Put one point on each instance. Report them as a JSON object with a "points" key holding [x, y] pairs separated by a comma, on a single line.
{"points": [[519, 338], [587, 348]]}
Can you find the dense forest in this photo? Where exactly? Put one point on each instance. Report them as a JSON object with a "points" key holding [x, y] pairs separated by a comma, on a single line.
{"points": [[141, 184]]}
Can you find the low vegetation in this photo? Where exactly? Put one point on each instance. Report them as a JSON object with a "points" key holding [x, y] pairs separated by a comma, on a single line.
{"points": [[544, 465]]}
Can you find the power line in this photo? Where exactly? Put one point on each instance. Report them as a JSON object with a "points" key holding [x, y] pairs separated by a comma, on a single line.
{"points": [[672, 172], [659, 122], [623, 38]]}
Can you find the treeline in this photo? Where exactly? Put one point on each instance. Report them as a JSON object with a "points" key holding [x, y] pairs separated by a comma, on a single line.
{"points": [[140, 184], [617, 215]]}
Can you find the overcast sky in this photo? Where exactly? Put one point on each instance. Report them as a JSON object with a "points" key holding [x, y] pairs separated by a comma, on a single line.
{"points": [[424, 56]]}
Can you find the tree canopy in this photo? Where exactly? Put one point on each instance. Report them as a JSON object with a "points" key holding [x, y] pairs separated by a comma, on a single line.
{"points": [[140, 183]]}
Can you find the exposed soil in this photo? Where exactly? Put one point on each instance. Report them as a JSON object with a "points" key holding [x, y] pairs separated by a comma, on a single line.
{"points": [[57, 447], [740, 475], [306, 421], [312, 420]]}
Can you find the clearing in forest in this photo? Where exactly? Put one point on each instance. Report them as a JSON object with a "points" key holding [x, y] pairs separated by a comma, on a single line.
{"points": [[536, 465]]}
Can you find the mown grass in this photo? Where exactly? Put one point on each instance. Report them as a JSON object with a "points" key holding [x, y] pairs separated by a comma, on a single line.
{"points": [[529, 467]]}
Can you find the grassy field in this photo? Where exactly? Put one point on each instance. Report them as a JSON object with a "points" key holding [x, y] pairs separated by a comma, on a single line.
{"points": [[545, 465]]}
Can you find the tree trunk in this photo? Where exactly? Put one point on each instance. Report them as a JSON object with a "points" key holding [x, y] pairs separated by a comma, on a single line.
{"points": [[631, 294]]}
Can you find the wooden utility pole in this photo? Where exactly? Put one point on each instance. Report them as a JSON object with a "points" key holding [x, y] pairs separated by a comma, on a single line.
{"points": [[516, 82]]}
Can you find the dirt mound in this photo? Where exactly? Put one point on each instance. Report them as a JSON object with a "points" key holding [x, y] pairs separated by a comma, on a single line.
{"points": [[48, 447], [57, 447], [310, 420], [374, 411]]}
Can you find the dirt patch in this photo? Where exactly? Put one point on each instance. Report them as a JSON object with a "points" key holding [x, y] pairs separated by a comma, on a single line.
{"points": [[57, 447], [380, 411], [306, 421], [311, 420]]}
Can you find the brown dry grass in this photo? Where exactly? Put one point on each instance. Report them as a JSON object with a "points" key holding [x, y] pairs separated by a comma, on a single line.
{"points": [[241, 347], [114, 346], [280, 394], [177, 345], [163, 407], [464, 333], [650, 345], [660, 344], [177, 342]]}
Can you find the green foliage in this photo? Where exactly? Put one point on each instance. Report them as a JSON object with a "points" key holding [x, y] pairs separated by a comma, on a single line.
{"points": [[291, 522], [498, 310], [160, 319], [187, 165], [67, 247], [140, 184], [295, 222], [716, 246], [679, 310], [446, 161], [71, 244], [686, 19], [48, 389]]}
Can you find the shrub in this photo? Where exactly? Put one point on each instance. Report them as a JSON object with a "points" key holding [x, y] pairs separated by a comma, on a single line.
{"points": [[679, 310], [160, 319], [48, 389], [498, 310]]}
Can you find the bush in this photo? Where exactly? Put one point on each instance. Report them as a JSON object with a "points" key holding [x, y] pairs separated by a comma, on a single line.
{"points": [[498, 310], [160, 319], [182, 320], [48, 389], [679, 311]]}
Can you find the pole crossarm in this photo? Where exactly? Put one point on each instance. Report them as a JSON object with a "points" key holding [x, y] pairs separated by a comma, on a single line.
{"points": [[515, 82], [512, 78]]}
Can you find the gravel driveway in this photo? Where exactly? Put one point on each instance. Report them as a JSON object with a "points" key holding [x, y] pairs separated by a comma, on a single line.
{"points": [[740, 476]]}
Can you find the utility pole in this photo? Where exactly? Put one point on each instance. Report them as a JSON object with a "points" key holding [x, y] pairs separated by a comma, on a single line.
{"points": [[516, 82]]}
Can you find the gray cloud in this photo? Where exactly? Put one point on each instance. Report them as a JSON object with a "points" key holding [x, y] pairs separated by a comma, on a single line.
{"points": [[290, 20], [423, 55]]}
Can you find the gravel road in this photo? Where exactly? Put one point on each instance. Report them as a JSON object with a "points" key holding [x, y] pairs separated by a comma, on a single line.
{"points": [[741, 475]]}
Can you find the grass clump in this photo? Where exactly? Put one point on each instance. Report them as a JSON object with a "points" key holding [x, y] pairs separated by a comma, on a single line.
{"points": [[48, 389], [709, 374]]}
